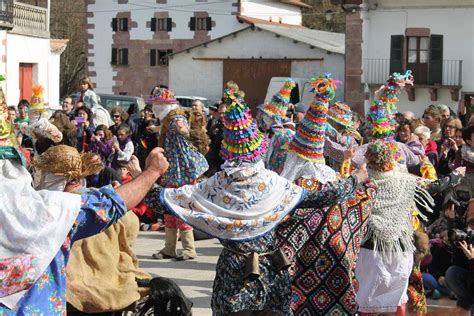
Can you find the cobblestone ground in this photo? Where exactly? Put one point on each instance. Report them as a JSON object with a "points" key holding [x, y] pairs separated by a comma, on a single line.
{"points": [[195, 277]]}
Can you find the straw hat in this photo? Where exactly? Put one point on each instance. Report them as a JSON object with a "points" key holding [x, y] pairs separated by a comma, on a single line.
{"points": [[66, 161]]}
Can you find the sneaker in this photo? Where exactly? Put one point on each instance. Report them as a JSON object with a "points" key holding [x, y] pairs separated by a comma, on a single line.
{"points": [[144, 227]]}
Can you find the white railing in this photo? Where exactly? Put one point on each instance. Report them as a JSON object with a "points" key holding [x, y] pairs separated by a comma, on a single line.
{"points": [[376, 71], [30, 20]]}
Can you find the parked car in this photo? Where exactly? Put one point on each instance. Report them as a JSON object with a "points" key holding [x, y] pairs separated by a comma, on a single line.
{"points": [[187, 102], [109, 101]]}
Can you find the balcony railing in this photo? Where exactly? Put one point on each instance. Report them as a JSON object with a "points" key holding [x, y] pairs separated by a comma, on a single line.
{"points": [[376, 71], [6, 14], [30, 20]]}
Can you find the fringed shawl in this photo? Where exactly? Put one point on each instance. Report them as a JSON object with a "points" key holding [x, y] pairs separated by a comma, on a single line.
{"points": [[390, 228]]}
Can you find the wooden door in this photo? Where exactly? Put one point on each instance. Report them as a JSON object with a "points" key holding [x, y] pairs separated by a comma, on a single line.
{"points": [[253, 76], [26, 81], [418, 57]]}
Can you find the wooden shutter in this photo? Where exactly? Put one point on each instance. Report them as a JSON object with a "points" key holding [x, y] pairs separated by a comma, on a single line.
{"points": [[192, 24], [153, 24], [114, 24], [169, 24], [396, 53], [153, 57], [208, 24], [124, 60], [436, 59], [114, 56]]}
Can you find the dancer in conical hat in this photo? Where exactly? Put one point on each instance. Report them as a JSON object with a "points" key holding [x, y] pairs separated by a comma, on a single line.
{"points": [[388, 244], [320, 233], [241, 206], [274, 112], [281, 129], [381, 119]]}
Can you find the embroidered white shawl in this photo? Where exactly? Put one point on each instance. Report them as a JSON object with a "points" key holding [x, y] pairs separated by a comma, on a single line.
{"points": [[242, 202], [33, 223]]}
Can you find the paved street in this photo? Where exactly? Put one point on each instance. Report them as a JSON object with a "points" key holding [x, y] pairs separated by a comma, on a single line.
{"points": [[195, 277]]}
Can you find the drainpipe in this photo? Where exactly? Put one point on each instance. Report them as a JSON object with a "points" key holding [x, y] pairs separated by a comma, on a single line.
{"points": [[48, 14]]}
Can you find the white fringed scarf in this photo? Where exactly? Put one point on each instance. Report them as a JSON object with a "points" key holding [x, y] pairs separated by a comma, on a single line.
{"points": [[389, 226]]}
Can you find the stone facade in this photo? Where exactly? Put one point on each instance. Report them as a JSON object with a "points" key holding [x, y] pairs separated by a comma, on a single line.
{"points": [[147, 39]]}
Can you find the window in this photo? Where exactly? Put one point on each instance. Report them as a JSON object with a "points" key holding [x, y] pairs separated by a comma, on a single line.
{"points": [[123, 25], [159, 57], [162, 24], [200, 24], [119, 56], [421, 53], [120, 24]]}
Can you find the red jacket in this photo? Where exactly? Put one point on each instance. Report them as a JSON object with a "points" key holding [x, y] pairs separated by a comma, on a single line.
{"points": [[142, 209]]}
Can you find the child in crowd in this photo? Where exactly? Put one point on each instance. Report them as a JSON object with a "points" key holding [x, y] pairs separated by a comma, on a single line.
{"points": [[122, 149], [101, 142]]}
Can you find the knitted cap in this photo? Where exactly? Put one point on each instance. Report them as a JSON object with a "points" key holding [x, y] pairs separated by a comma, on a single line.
{"points": [[242, 139], [37, 100], [308, 142], [278, 105], [379, 156], [341, 113], [381, 117]]}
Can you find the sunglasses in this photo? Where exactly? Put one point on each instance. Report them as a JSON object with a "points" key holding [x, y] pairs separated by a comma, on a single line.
{"points": [[115, 115]]}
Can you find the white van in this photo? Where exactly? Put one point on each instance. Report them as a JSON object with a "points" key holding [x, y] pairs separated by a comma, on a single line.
{"points": [[301, 92]]}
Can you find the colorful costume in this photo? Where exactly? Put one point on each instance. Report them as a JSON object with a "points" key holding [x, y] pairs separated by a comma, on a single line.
{"points": [[324, 239], [93, 286], [163, 101], [241, 206], [187, 164], [38, 229], [56, 220], [275, 112]]}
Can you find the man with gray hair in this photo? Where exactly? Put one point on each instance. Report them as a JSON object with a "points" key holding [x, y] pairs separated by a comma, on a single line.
{"points": [[445, 112]]}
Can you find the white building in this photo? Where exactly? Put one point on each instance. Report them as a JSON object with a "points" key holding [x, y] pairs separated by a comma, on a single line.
{"points": [[252, 56], [129, 41], [435, 39], [28, 54]]}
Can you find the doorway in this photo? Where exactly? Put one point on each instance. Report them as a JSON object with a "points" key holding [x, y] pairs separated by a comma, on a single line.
{"points": [[418, 57], [26, 81]]}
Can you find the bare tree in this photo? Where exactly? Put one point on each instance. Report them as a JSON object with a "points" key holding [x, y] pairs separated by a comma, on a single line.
{"points": [[68, 21]]}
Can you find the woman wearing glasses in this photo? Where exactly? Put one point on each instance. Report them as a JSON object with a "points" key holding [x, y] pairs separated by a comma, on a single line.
{"points": [[119, 117], [449, 145]]}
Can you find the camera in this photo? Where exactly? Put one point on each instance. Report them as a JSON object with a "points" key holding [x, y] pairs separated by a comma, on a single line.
{"points": [[461, 235], [460, 206]]}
